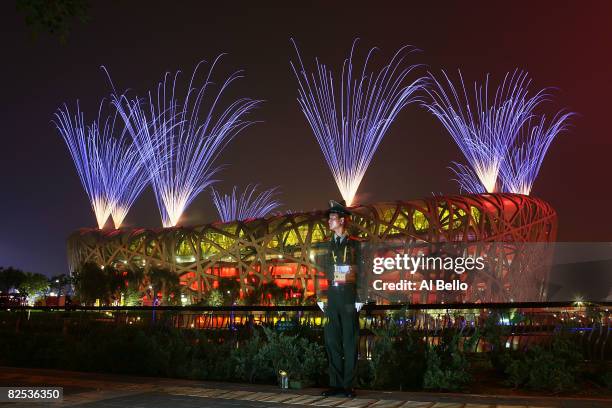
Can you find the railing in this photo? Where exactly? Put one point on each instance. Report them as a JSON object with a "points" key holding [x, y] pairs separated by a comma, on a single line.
{"points": [[519, 324]]}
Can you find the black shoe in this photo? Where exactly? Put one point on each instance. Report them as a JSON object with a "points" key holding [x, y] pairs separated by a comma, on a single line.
{"points": [[349, 393], [332, 392]]}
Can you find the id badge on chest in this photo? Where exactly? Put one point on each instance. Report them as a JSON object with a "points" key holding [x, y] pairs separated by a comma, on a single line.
{"points": [[340, 272]]}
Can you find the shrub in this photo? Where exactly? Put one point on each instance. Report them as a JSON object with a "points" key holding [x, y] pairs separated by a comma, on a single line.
{"points": [[132, 297], [214, 298], [250, 363], [211, 355], [92, 283], [263, 355], [447, 366], [313, 363], [301, 359], [551, 368], [398, 360], [494, 335], [605, 379]]}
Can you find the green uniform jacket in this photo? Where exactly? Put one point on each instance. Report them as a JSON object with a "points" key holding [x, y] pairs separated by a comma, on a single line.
{"points": [[349, 252]]}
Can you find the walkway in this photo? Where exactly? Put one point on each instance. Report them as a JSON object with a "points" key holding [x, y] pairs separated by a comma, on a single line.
{"points": [[94, 390]]}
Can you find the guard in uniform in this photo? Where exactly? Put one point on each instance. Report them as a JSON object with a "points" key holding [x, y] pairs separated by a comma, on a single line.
{"points": [[342, 264]]}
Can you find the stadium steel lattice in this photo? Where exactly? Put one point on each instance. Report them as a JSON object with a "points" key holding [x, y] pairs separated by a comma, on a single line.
{"points": [[505, 228]]}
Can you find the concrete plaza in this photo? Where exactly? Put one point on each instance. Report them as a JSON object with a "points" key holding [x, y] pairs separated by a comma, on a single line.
{"points": [[95, 390]]}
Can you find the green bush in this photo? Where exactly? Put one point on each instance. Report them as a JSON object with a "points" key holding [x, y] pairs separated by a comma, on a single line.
{"points": [[250, 363], [214, 298], [601, 374], [157, 351], [399, 357], [302, 359], [382, 367], [243, 354], [44, 350], [552, 368], [313, 362], [447, 366], [398, 360], [132, 297], [495, 334], [211, 356], [605, 379]]}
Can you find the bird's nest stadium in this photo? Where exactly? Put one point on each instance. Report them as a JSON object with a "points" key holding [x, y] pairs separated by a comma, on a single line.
{"points": [[283, 248]]}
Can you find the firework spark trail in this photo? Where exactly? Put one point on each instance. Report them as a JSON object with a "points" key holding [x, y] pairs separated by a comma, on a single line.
{"points": [[522, 164], [182, 145], [467, 179], [350, 127], [485, 132], [86, 150], [247, 205], [126, 176]]}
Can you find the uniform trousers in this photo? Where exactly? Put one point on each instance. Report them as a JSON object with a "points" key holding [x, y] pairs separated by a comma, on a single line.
{"points": [[341, 335]]}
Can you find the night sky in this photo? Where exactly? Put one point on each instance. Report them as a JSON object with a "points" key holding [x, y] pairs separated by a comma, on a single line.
{"points": [[562, 44]]}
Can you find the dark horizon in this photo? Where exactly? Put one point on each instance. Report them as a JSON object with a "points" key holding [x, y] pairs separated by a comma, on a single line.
{"points": [[561, 45]]}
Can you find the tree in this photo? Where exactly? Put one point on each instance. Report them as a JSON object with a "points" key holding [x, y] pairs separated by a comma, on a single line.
{"points": [[229, 289], [126, 282], [132, 297], [34, 284], [60, 284], [92, 283], [53, 17], [134, 282], [166, 282], [10, 278]]}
